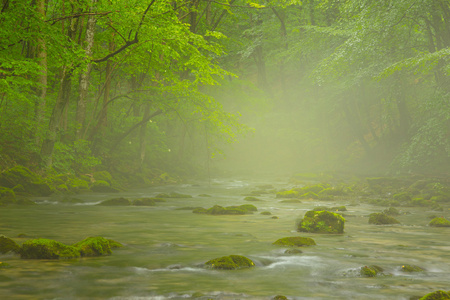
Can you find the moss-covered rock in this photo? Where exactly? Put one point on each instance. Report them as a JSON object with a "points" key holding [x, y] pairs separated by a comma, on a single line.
{"points": [[309, 195], [439, 222], [199, 210], [93, 246], [114, 244], [231, 262], [266, 213], [411, 268], [291, 201], [121, 201], [31, 182], [382, 219], [436, 295], [370, 271], [8, 245], [321, 222], [295, 241], [47, 249], [229, 210], [144, 202], [391, 211], [7, 196]]}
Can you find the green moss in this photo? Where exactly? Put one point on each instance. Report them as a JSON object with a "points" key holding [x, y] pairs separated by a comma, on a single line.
{"points": [[266, 213], [309, 195], [439, 222], [103, 176], [295, 241], [391, 211], [339, 208], [322, 222], [47, 249], [93, 246], [7, 196], [370, 271], [116, 202], [8, 245], [382, 219], [411, 268], [248, 207], [144, 202], [279, 297], [404, 196], [113, 244], [32, 183], [231, 262], [200, 210], [101, 186], [436, 295]]}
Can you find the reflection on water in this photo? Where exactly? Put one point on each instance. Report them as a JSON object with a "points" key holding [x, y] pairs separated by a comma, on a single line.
{"points": [[165, 249]]}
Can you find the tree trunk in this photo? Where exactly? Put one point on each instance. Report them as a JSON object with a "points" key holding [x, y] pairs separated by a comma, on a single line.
{"points": [[84, 76], [41, 93], [55, 119]]}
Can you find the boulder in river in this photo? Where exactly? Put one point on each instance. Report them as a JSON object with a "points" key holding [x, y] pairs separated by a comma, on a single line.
{"points": [[121, 201], [229, 210], [47, 249], [382, 219], [93, 246], [321, 222], [439, 222], [8, 245], [436, 295], [295, 241], [231, 262], [370, 271], [411, 268]]}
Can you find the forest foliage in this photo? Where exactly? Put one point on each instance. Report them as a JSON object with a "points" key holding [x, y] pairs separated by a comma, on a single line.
{"points": [[132, 86]]}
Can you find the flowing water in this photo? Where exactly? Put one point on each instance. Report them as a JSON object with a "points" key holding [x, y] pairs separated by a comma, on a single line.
{"points": [[165, 249]]}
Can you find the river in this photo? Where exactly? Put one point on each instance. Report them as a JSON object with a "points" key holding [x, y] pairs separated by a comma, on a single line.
{"points": [[165, 248]]}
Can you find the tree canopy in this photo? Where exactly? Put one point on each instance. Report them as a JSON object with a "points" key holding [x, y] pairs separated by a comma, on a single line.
{"points": [[139, 85]]}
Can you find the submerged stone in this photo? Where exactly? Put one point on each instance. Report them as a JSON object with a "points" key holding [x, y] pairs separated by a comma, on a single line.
{"points": [[295, 241], [382, 219], [93, 246], [322, 222], [8, 245], [47, 249], [439, 222], [231, 262]]}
